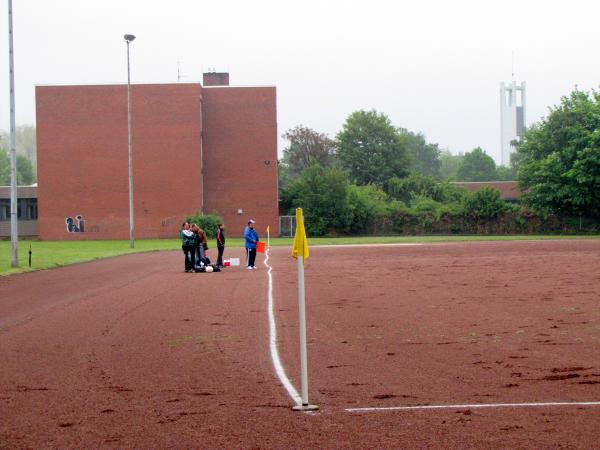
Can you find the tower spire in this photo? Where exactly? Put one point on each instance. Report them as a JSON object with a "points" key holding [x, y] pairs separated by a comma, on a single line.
{"points": [[512, 70]]}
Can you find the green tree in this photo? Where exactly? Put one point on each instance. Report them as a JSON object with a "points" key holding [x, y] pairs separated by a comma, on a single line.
{"points": [[323, 194], [505, 173], [425, 158], [477, 166], [372, 149], [285, 183], [307, 146], [25, 139], [25, 174], [4, 168], [559, 158], [284, 175], [449, 164]]}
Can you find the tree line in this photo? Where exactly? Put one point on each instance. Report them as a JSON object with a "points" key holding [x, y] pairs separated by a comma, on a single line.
{"points": [[374, 177]]}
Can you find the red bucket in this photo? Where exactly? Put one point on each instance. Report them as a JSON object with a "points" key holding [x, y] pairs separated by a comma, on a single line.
{"points": [[261, 247]]}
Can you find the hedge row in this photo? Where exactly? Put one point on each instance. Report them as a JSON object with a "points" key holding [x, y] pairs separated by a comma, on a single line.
{"points": [[507, 223]]}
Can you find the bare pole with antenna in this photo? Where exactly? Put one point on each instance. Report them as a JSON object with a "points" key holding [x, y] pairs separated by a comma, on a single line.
{"points": [[512, 70], [14, 228]]}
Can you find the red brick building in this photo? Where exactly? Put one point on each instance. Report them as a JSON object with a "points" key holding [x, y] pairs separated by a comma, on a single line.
{"points": [[210, 148]]}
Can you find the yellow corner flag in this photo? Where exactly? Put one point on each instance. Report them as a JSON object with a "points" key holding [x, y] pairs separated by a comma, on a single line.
{"points": [[300, 247]]}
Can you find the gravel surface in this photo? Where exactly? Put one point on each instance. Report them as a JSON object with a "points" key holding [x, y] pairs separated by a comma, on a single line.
{"points": [[131, 352]]}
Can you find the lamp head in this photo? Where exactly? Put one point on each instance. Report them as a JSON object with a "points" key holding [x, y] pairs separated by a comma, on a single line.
{"points": [[129, 37]]}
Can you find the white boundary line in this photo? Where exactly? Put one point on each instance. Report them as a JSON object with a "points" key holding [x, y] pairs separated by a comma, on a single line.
{"points": [[273, 342], [477, 405]]}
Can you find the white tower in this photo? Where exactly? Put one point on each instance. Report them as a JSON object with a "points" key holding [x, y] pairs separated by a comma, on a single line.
{"points": [[512, 118]]}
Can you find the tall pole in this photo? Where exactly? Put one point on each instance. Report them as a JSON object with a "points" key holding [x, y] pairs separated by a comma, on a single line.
{"points": [[128, 39], [14, 228]]}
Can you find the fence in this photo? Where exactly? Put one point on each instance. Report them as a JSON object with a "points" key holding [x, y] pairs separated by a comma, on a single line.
{"points": [[287, 226]]}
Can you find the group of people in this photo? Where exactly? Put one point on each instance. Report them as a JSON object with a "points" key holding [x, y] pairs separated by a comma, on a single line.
{"points": [[194, 243]]}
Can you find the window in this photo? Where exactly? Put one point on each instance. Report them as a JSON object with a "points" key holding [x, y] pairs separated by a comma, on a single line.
{"points": [[32, 208], [26, 209], [4, 209]]}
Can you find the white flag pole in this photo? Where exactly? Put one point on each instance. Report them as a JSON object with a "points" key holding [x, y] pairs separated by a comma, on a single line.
{"points": [[302, 319]]}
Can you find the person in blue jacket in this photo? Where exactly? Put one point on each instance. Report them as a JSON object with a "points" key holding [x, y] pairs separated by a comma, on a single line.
{"points": [[251, 237]]}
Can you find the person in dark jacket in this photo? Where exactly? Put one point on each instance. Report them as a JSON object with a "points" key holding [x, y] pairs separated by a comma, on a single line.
{"points": [[251, 238], [220, 237], [188, 245]]}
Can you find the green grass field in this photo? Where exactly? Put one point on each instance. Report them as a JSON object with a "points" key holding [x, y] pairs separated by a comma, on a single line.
{"points": [[49, 254]]}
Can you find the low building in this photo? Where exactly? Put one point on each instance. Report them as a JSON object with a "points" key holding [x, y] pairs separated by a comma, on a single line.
{"points": [[27, 211], [205, 148]]}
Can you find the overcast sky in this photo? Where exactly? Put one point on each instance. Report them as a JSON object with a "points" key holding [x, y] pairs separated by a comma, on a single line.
{"points": [[432, 66]]}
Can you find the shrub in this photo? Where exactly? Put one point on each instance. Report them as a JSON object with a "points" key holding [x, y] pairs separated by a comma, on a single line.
{"points": [[402, 220], [415, 184], [367, 203], [455, 228], [404, 189], [208, 222], [485, 203], [426, 206], [421, 205]]}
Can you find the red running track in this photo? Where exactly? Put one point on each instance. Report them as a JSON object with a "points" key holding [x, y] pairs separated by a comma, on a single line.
{"points": [[131, 352]]}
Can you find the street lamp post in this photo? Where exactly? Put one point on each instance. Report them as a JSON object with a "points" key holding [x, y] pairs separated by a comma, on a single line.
{"points": [[129, 38], [14, 227]]}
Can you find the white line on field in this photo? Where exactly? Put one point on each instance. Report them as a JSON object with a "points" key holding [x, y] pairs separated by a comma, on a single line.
{"points": [[273, 341], [477, 405]]}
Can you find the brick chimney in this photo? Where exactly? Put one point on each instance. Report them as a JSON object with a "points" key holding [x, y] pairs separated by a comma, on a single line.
{"points": [[215, 79]]}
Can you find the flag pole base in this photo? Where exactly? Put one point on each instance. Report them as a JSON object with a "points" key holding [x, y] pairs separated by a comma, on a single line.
{"points": [[305, 408]]}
